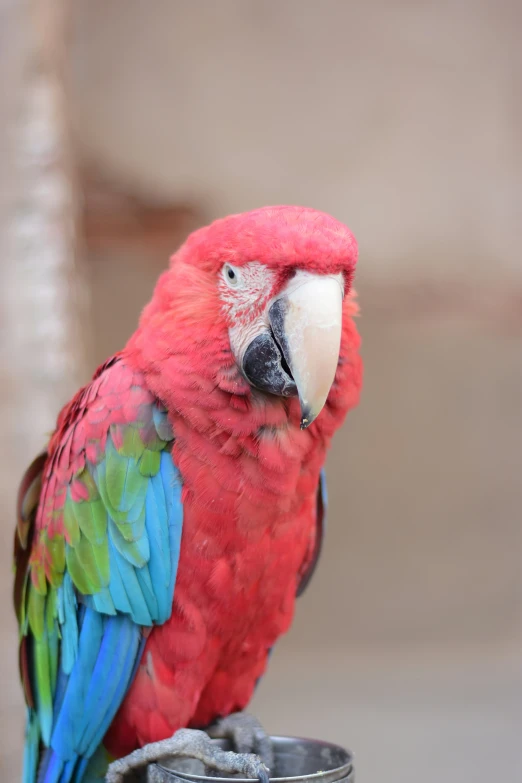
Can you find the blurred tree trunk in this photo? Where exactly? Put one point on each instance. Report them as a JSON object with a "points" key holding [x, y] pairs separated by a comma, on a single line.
{"points": [[43, 294], [44, 288]]}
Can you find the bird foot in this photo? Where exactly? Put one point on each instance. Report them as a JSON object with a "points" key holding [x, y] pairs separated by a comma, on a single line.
{"points": [[246, 735], [190, 743]]}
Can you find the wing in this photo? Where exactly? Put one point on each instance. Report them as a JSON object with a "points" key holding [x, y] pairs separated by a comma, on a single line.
{"points": [[96, 554], [316, 543]]}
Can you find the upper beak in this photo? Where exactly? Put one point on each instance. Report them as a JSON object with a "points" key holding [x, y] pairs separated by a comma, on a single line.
{"points": [[301, 352]]}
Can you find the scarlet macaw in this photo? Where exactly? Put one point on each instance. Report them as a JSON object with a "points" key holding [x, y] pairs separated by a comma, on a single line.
{"points": [[178, 509]]}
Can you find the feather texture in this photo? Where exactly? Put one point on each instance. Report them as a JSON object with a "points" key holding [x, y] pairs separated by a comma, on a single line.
{"points": [[99, 517], [96, 560]]}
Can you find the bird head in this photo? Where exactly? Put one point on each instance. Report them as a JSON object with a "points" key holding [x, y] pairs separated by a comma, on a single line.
{"points": [[265, 289]]}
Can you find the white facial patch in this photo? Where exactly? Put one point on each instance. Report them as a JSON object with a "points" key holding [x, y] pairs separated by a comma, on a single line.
{"points": [[245, 289], [299, 324]]}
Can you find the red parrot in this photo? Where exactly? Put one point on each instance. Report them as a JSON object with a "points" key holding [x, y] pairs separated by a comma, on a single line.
{"points": [[178, 510]]}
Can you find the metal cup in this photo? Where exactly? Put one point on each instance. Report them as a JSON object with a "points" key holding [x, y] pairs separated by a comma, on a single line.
{"points": [[296, 761]]}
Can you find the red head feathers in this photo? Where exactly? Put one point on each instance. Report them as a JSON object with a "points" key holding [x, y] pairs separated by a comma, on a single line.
{"points": [[257, 297]]}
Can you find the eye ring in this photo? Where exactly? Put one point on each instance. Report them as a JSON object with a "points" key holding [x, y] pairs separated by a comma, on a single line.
{"points": [[231, 275]]}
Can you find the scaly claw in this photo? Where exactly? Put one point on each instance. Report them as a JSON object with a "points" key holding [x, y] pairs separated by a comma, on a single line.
{"points": [[246, 734], [189, 743]]}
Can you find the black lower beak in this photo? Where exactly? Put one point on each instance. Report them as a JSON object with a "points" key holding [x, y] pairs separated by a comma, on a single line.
{"points": [[265, 366], [296, 351]]}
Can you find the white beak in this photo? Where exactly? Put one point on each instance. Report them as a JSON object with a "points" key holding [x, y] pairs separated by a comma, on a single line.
{"points": [[306, 320]]}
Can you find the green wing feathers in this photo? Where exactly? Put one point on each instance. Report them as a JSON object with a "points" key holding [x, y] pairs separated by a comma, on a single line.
{"points": [[99, 527]]}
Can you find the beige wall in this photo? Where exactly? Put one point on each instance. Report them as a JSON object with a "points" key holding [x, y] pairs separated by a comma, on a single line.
{"points": [[401, 118], [404, 120]]}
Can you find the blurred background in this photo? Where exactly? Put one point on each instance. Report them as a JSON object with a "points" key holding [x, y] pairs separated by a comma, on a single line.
{"points": [[126, 124]]}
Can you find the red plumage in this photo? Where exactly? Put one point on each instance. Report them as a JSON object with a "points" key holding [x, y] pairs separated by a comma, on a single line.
{"points": [[250, 474]]}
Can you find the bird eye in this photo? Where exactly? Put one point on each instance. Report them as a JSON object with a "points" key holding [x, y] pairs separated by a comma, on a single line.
{"points": [[231, 275]]}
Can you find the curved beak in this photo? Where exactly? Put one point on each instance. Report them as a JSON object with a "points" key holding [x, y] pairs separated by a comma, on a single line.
{"points": [[300, 353]]}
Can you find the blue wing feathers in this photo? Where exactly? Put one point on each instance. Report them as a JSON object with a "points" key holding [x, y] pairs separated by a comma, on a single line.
{"points": [[147, 591], [68, 623], [118, 592], [32, 742], [103, 602], [172, 487], [136, 552], [102, 681], [130, 584], [68, 725], [101, 638], [51, 768], [113, 668], [324, 492], [320, 528], [161, 553], [101, 675], [124, 670]]}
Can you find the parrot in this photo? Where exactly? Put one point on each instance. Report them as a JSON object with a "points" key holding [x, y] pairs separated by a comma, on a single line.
{"points": [[178, 511]]}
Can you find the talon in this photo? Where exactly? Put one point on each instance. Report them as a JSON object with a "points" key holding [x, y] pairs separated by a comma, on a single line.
{"points": [[192, 744], [263, 775], [247, 736]]}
